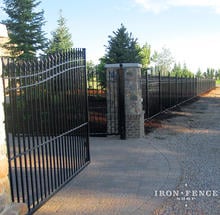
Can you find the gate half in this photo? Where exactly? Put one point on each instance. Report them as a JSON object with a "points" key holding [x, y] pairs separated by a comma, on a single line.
{"points": [[46, 124]]}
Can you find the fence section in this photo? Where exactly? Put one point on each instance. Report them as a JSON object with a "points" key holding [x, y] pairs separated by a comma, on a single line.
{"points": [[97, 102], [163, 92], [46, 124], [103, 97], [159, 93]]}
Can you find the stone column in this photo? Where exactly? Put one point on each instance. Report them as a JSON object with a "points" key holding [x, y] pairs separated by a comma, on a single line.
{"points": [[134, 114], [6, 206]]}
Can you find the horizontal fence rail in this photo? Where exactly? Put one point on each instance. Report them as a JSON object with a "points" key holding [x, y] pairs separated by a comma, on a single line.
{"points": [[46, 124], [162, 92]]}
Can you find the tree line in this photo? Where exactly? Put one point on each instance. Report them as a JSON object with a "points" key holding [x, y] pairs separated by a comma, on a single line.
{"points": [[209, 73], [27, 40]]}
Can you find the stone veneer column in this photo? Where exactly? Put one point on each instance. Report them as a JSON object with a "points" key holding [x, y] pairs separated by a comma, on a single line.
{"points": [[134, 114], [6, 206]]}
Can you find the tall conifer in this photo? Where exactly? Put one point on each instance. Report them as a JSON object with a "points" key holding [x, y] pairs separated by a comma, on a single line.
{"points": [[61, 38], [24, 25], [122, 48]]}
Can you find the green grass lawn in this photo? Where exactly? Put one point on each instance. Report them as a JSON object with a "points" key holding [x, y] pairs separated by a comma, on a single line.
{"points": [[217, 81]]}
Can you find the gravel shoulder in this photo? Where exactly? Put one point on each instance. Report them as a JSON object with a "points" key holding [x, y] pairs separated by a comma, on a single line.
{"points": [[194, 136]]}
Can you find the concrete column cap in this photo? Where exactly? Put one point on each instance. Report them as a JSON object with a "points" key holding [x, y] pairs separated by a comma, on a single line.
{"points": [[124, 65]]}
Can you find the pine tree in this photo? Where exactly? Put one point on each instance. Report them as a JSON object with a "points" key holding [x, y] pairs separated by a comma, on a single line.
{"points": [[177, 70], [144, 54], [122, 48], [24, 25], [61, 38], [199, 73]]}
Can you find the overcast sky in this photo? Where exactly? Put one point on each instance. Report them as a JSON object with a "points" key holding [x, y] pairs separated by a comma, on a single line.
{"points": [[189, 28]]}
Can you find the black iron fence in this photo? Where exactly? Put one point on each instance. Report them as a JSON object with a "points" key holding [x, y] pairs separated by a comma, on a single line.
{"points": [[97, 102], [163, 92], [159, 93], [46, 124]]}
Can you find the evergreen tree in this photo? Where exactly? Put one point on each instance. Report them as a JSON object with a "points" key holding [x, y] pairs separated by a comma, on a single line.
{"points": [[208, 72], [181, 71], [199, 73], [186, 72], [218, 75], [212, 75], [24, 24], [61, 38], [144, 54], [177, 70], [205, 75], [122, 48]]}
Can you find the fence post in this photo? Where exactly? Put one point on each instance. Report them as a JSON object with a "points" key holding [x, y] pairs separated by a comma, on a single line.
{"points": [[182, 81], [169, 89], [87, 108], [147, 94], [176, 79], [6, 206], [121, 103], [193, 86], [187, 88], [196, 86], [130, 115], [133, 101], [160, 91]]}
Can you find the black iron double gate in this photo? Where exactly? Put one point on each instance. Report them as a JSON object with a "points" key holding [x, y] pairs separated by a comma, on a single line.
{"points": [[46, 124]]}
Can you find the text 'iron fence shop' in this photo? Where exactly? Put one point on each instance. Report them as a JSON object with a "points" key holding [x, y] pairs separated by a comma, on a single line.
{"points": [[46, 124], [162, 92]]}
